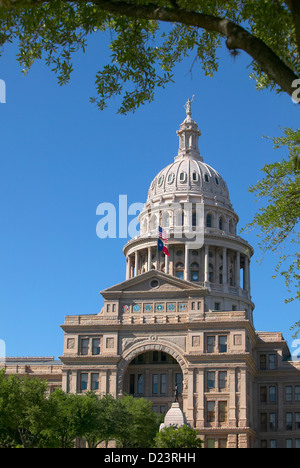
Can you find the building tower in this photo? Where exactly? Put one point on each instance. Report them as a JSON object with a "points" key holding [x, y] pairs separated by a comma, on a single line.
{"points": [[185, 321], [190, 200]]}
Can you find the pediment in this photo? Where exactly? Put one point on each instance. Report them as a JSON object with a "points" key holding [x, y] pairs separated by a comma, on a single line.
{"points": [[155, 282]]}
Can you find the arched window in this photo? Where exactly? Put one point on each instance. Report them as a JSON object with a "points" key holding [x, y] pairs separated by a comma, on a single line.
{"points": [[145, 226], [179, 217], [221, 223], [154, 223], [194, 271], [179, 269], [194, 219], [166, 219], [209, 220]]}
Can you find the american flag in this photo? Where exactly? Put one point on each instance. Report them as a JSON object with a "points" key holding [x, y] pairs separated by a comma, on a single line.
{"points": [[162, 234]]}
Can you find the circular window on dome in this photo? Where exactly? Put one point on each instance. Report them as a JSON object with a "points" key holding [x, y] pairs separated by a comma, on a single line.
{"points": [[160, 181], [170, 177], [154, 283], [182, 177]]}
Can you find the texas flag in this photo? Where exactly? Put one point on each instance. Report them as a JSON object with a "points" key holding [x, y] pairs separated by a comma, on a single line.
{"points": [[162, 247]]}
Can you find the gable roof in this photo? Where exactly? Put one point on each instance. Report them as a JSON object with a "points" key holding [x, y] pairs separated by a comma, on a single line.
{"points": [[167, 284]]}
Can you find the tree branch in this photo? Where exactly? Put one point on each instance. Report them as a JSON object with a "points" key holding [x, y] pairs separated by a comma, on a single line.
{"points": [[236, 36]]}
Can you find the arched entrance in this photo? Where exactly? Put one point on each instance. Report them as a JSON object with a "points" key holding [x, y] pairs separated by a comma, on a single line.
{"points": [[152, 371]]}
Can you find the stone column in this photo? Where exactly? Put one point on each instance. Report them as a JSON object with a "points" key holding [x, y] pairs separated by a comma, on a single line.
{"points": [[224, 269], [136, 264], [128, 269], [247, 274], [167, 263], [200, 423], [190, 398], [149, 258], [243, 399], [206, 265], [187, 263], [232, 398], [238, 270]]}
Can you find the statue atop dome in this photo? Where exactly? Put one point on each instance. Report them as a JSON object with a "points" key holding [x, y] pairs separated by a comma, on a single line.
{"points": [[188, 105]]}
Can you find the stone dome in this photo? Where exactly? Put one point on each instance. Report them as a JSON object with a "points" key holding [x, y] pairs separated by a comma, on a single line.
{"points": [[188, 174], [193, 176]]}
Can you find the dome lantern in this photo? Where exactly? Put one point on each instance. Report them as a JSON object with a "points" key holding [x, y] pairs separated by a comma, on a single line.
{"points": [[188, 136]]}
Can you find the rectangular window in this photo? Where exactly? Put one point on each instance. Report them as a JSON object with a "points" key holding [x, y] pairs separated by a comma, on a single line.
{"points": [[272, 361], [289, 421], [222, 443], [163, 384], [222, 380], [178, 382], [83, 381], [96, 346], [95, 381], [222, 344], [211, 443], [297, 393], [217, 306], [297, 421], [263, 362], [211, 411], [140, 384], [84, 348], [155, 384], [289, 443], [273, 443], [131, 384], [211, 344], [263, 422], [222, 411], [288, 393], [272, 394], [211, 380], [297, 443], [272, 421], [263, 394]]}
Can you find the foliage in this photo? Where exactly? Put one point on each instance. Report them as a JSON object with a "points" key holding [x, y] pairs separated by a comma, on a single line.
{"points": [[278, 221], [175, 438], [144, 52], [143, 423], [29, 417], [24, 411]]}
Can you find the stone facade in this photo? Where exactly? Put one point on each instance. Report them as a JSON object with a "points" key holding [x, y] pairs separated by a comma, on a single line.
{"points": [[186, 320]]}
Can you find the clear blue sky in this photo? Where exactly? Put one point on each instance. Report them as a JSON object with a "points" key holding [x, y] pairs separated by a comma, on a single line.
{"points": [[61, 157]]}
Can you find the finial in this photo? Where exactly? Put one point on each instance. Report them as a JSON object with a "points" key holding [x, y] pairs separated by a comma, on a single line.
{"points": [[188, 105]]}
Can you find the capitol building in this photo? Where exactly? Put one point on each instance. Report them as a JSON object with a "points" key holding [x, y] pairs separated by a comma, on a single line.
{"points": [[182, 320]]}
